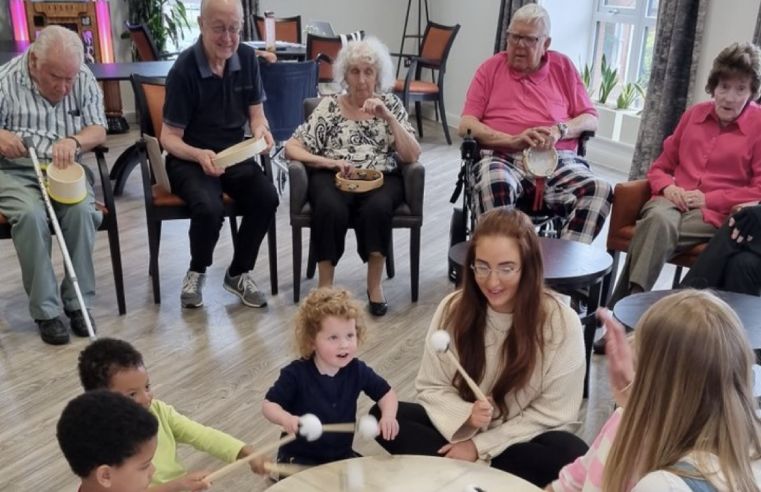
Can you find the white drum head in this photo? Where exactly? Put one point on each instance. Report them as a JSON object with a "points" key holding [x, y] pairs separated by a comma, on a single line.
{"points": [[540, 163]]}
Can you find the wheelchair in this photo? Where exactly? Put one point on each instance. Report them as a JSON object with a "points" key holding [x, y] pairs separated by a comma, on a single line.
{"points": [[463, 221]]}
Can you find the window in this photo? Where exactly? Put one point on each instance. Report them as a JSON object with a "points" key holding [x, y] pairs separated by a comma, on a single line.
{"points": [[190, 35], [624, 32]]}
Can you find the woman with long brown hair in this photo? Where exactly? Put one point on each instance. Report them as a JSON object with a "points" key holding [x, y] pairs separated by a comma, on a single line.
{"points": [[522, 346]]}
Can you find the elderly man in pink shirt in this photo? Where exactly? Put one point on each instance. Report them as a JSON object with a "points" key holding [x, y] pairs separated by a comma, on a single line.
{"points": [[530, 97]]}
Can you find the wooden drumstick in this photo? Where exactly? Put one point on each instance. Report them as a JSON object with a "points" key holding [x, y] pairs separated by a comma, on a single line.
{"points": [[229, 468], [367, 427], [284, 469], [310, 428], [440, 341]]}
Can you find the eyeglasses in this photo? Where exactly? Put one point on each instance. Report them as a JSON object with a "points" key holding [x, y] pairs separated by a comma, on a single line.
{"points": [[483, 272], [232, 31], [528, 41]]}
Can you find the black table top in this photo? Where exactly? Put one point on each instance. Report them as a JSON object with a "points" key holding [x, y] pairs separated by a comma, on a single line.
{"points": [[567, 264], [748, 308]]}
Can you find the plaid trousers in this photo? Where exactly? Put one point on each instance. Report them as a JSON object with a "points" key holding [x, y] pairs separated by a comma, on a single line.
{"points": [[572, 191]]}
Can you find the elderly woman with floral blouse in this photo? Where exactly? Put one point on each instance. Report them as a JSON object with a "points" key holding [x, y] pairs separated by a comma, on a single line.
{"points": [[365, 127]]}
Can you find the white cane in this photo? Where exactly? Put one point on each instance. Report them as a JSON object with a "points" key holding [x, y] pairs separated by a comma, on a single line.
{"points": [[59, 235]]}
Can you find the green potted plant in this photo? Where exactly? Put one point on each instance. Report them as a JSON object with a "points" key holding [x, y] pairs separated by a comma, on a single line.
{"points": [[586, 78], [608, 80], [165, 20], [628, 95]]}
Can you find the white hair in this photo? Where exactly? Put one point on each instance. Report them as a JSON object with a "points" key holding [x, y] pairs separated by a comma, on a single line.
{"points": [[369, 50], [532, 14], [59, 42]]}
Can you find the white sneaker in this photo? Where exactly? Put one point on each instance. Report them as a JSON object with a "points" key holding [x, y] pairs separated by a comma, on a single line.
{"points": [[191, 297]]}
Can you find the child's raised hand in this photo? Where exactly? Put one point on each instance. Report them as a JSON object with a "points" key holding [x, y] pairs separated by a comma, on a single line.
{"points": [[193, 481], [291, 424], [389, 428]]}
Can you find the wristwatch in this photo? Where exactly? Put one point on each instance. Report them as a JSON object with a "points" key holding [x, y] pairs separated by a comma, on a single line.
{"points": [[76, 141], [563, 129]]}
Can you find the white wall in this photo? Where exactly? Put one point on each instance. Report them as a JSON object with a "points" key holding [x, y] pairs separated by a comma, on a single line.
{"points": [[572, 24]]}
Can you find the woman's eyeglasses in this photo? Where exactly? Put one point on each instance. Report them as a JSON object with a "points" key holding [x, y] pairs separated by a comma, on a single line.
{"points": [[503, 272]]}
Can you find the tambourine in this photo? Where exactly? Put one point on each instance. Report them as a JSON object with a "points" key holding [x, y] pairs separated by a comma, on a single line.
{"points": [[239, 152], [359, 180], [67, 185], [540, 164]]}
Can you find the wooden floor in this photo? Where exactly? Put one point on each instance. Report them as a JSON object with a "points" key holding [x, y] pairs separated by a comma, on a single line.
{"points": [[216, 363]]}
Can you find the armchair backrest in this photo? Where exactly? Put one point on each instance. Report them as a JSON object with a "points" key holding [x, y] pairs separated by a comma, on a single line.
{"points": [[437, 42], [286, 28], [143, 41]]}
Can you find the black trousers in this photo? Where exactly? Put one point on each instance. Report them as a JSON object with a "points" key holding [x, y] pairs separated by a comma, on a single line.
{"points": [[538, 461], [334, 211], [254, 196], [727, 265]]}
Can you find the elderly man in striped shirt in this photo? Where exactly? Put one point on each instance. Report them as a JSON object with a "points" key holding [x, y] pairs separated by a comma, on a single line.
{"points": [[49, 95]]}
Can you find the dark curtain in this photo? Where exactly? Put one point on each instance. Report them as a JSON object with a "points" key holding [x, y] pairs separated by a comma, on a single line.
{"points": [[678, 37], [250, 9], [506, 10], [757, 32]]}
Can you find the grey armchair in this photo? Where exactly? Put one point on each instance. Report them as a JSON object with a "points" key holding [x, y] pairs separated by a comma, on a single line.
{"points": [[409, 215]]}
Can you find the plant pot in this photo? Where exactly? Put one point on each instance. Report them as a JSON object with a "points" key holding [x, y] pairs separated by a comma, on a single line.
{"points": [[608, 122], [629, 127]]}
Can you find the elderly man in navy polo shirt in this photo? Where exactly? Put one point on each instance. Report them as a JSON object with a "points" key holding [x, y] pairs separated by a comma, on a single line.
{"points": [[212, 93]]}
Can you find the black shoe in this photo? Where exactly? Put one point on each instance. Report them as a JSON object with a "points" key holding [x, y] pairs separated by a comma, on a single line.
{"points": [[599, 346], [53, 331], [377, 308], [77, 323]]}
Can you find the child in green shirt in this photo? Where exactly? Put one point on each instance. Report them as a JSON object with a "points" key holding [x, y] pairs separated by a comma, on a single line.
{"points": [[116, 365]]}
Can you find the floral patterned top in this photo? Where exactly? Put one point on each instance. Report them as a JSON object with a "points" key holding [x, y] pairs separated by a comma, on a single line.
{"points": [[368, 144]]}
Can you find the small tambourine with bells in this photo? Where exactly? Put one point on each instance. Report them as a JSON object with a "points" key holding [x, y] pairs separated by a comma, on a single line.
{"points": [[540, 164], [359, 180]]}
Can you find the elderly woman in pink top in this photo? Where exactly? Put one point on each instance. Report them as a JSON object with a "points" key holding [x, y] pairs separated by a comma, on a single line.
{"points": [[711, 163]]}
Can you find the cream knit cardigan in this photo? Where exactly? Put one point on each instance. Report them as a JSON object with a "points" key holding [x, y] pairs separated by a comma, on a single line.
{"points": [[550, 401]]}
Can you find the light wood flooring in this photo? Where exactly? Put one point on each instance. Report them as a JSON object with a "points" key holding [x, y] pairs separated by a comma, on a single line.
{"points": [[215, 364]]}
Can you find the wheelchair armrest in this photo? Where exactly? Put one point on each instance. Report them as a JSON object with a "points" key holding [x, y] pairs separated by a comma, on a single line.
{"points": [[298, 181], [414, 186], [628, 200], [583, 139]]}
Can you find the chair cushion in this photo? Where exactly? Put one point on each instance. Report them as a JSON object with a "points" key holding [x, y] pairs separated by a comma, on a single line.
{"points": [[162, 198], [417, 86]]}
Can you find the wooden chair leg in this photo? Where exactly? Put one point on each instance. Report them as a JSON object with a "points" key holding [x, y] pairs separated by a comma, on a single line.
{"points": [[444, 119], [272, 243], [296, 246], [154, 239], [414, 262], [419, 118], [311, 260], [390, 267], [116, 264], [677, 278]]}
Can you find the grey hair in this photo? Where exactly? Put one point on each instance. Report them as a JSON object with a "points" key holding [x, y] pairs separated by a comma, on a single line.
{"points": [[532, 14], [206, 3], [369, 50], [58, 42]]}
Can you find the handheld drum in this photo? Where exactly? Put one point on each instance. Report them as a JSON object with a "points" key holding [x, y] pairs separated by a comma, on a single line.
{"points": [[541, 164], [359, 180], [67, 185], [239, 152]]}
